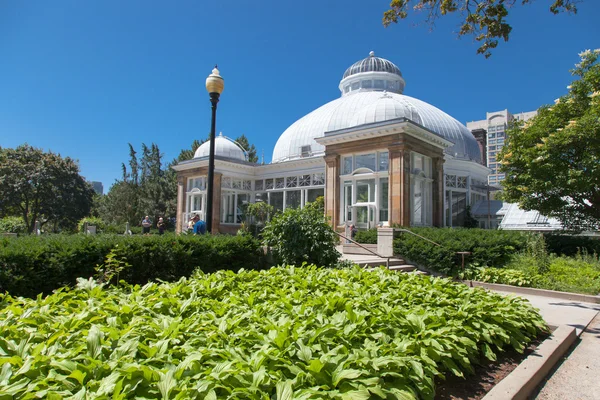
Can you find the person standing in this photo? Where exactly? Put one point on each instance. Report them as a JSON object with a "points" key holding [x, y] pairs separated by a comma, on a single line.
{"points": [[161, 226], [146, 224]]}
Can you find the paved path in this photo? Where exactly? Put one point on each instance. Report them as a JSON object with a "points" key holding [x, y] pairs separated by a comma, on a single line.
{"points": [[578, 376]]}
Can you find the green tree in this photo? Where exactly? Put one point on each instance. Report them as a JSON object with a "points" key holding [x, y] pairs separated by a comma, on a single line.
{"points": [[485, 20], [188, 154], [552, 162], [42, 186], [250, 148]]}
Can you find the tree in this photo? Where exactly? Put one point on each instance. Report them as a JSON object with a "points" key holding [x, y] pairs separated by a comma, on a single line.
{"points": [[249, 148], [485, 20], [42, 186], [188, 154], [552, 162]]}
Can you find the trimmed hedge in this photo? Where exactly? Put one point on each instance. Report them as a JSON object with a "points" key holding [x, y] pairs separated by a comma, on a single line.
{"points": [[366, 236], [488, 247], [570, 246], [40, 264]]}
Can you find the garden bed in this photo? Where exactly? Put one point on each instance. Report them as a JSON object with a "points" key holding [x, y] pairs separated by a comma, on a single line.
{"points": [[301, 332]]}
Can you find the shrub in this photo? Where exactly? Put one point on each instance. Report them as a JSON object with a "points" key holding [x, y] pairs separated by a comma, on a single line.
{"points": [[283, 333], [504, 276], [300, 236], [366, 236], [488, 247], [568, 245], [12, 225], [32, 265]]}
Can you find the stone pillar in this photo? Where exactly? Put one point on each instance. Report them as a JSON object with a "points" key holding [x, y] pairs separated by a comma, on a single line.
{"points": [[385, 242], [181, 198], [405, 188], [332, 188], [399, 167], [438, 191]]}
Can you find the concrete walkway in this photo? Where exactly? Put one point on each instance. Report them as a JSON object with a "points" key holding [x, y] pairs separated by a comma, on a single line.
{"points": [[578, 375]]}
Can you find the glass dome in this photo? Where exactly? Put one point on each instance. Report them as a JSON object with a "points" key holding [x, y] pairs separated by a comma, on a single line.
{"points": [[224, 147], [372, 64]]}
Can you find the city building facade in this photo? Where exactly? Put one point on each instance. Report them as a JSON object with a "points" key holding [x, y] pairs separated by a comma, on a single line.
{"points": [[491, 136]]}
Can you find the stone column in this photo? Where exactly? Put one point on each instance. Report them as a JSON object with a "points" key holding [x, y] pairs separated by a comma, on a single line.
{"points": [[438, 191], [399, 185], [332, 188], [180, 203]]}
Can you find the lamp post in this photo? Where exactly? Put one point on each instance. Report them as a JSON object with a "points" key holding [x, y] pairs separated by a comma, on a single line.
{"points": [[214, 86]]}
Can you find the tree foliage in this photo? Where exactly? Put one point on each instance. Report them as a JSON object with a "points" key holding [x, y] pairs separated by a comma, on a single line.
{"points": [[552, 162], [42, 186], [485, 20], [302, 235], [188, 154], [147, 187], [249, 148]]}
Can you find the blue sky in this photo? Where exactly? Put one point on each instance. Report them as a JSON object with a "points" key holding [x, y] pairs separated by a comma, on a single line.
{"points": [[84, 78]]}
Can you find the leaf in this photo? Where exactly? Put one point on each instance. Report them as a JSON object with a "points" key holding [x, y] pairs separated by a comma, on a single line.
{"points": [[94, 339], [284, 390], [340, 375], [362, 394], [166, 384]]}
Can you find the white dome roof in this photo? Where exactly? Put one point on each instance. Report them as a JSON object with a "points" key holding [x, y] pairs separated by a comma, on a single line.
{"points": [[365, 107], [364, 101], [224, 147]]}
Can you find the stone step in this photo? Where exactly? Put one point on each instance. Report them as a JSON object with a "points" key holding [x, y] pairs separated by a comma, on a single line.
{"points": [[354, 249]]}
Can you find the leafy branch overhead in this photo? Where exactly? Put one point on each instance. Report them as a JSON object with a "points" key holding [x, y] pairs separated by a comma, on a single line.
{"points": [[485, 20], [551, 161]]}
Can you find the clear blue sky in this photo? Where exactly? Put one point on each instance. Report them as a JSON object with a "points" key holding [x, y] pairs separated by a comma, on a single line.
{"points": [[84, 78]]}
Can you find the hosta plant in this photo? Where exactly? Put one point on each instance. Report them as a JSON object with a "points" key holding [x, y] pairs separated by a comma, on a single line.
{"points": [[301, 333]]}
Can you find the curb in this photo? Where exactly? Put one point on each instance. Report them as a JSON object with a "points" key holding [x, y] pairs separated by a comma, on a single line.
{"points": [[521, 382], [585, 298]]}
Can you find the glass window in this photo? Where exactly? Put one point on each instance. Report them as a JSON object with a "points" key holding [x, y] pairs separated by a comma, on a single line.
{"points": [[276, 200], [304, 180], [355, 85], [347, 88], [383, 199], [258, 185], [451, 180], [348, 200], [492, 141], [492, 148], [240, 211], [365, 190], [292, 199], [347, 168], [500, 134], [261, 196], [461, 182], [391, 86], [459, 207], [491, 135], [367, 84], [312, 194], [318, 179], [227, 207], [384, 161], [269, 184], [279, 183], [366, 161], [379, 84], [418, 202], [291, 181]]}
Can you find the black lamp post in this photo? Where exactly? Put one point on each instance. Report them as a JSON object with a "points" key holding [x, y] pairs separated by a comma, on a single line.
{"points": [[214, 86]]}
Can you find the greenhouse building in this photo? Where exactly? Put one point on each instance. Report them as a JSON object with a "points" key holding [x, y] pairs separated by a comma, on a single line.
{"points": [[377, 156]]}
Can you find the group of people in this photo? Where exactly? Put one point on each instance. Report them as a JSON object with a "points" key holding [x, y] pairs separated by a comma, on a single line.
{"points": [[195, 225], [147, 224]]}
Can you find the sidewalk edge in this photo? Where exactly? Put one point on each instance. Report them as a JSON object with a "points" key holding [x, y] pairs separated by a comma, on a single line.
{"points": [[521, 382], [584, 298]]}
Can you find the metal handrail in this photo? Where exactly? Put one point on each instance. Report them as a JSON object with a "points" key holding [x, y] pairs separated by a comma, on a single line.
{"points": [[416, 234], [387, 259], [461, 253]]}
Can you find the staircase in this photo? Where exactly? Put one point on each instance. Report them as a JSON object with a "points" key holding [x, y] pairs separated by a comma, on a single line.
{"points": [[366, 259]]}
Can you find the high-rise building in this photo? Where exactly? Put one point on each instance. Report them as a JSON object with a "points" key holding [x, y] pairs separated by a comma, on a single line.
{"points": [[98, 187], [490, 133]]}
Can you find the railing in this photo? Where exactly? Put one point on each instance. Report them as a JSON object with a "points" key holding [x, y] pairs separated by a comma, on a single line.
{"points": [[387, 259]]}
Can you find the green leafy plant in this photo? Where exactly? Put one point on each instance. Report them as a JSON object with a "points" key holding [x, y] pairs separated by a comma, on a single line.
{"points": [[95, 221], [368, 236], [301, 333], [299, 236], [499, 275], [12, 225], [113, 265]]}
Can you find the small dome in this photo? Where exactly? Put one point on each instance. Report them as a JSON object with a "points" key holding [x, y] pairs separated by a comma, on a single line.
{"points": [[224, 147], [372, 64]]}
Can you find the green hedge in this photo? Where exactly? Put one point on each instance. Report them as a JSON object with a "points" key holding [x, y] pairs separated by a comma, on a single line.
{"points": [[571, 245], [367, 236], [32, 265], [488, 247]]}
